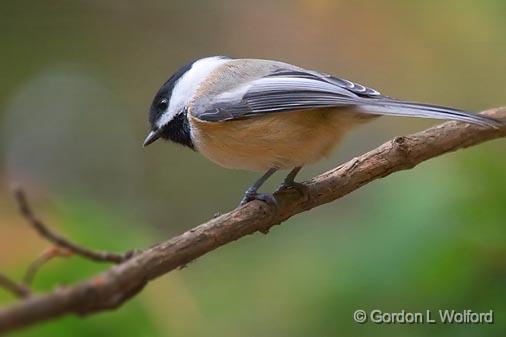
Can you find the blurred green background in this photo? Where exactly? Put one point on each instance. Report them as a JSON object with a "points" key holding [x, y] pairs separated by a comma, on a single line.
{"points": [[76, 81]]}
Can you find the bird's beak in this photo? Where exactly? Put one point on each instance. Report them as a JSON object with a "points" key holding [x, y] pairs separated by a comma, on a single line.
{"points": [[152, 136]]}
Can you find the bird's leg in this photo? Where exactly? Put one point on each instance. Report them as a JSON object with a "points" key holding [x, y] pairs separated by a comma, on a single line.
{"points": [[252, 192], [290, 178], [289, 182]]}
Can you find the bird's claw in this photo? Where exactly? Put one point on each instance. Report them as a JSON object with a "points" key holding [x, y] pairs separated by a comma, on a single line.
{"points": [[299, 187], [265, 197]]}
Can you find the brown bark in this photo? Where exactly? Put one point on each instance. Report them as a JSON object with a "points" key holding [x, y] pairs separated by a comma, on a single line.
{"points": [[112, 288]]}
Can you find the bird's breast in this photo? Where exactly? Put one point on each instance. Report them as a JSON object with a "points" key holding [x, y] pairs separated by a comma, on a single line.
{"points": [[278, 140]]}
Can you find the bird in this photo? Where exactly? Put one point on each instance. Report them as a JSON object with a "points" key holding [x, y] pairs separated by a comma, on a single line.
{"points": [[264, 115]]}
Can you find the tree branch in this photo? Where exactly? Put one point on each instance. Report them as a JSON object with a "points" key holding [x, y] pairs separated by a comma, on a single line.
{"points": [[18, 290], [60, 241], [112, 288], [44, 258]]}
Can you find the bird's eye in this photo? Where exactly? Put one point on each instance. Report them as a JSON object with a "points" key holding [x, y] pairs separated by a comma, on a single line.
{"points": [[162, 105]]}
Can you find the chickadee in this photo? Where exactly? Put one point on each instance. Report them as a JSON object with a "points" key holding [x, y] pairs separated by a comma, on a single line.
{"points": [[263, 115]]}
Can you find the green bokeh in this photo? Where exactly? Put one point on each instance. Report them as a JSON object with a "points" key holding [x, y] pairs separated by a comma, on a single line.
{"points": [[77, 78]]}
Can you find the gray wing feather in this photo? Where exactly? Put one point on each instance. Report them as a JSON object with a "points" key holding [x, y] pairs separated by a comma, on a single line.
{"points": [[283, 91], [292, 89]]}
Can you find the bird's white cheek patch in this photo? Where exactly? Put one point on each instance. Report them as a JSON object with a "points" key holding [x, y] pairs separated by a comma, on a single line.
{"points": [[164, 119], [186, 87]]}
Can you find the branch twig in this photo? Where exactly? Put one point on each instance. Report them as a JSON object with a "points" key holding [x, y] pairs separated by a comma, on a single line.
{"points": [[18, 290], [44, 258], [112, 288], [60, 241]]}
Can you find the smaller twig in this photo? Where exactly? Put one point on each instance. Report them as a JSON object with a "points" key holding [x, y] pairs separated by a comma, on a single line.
{"points": [[19, 290], [44, 258], [60, 241]]}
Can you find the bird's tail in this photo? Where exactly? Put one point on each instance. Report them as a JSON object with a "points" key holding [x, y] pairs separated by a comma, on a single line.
{"points": [[412, 109]]}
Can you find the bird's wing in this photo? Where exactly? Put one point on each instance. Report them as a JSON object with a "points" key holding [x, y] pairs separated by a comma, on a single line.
{"points": [[285, 90]]}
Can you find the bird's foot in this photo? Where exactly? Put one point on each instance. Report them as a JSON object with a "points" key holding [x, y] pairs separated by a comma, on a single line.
{"points": [[251, 195], [299, 187]]}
